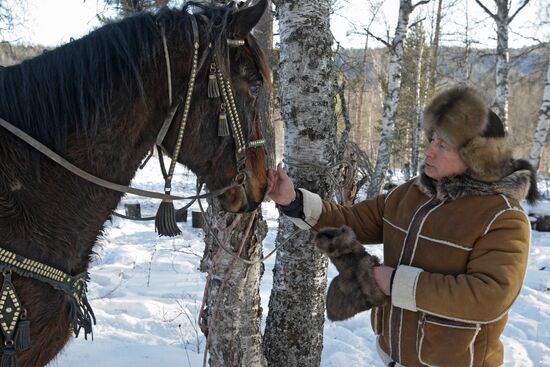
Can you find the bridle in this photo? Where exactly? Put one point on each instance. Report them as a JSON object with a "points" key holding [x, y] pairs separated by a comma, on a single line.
{"points": [[219, 85], [15, 328]]}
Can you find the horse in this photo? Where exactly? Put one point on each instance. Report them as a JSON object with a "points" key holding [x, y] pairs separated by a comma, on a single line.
{"points": [[190, 78]]}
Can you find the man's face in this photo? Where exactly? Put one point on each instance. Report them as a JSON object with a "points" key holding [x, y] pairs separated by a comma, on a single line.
{"points": [[442, 159]]}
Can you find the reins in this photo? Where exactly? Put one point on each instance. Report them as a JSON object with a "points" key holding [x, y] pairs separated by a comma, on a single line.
{"points": [[228, 251], [99, 181]]}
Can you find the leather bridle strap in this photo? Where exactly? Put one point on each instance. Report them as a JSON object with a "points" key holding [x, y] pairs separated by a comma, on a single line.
{"points": [[99, 181]]}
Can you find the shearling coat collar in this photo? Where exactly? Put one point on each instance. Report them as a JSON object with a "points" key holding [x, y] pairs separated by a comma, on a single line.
{"points": [[516, 185]]}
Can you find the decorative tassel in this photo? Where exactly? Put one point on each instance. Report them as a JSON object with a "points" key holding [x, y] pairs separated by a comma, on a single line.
{"points": [[8, 357], [165, 220], [23, 336], [213, 88], [223, 127]]}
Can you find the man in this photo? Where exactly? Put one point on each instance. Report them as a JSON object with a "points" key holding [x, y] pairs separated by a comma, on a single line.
{"points": [[456, 239]]}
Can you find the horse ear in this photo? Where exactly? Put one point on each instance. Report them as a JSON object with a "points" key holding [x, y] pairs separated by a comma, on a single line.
{"points": [[243, 20]]}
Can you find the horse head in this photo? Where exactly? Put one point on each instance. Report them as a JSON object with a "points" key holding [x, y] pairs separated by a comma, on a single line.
{"points": [[230, 58]]}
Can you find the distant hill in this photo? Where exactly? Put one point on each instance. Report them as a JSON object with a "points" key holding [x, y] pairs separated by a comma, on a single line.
{"points": [[481, 62]]}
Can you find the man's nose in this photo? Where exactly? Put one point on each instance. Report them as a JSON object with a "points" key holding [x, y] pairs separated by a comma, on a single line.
{"points": [[429, 152]]}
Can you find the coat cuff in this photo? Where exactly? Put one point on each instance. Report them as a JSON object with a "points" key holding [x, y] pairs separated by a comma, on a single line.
{"points": [[313, 206], [403, 293]]}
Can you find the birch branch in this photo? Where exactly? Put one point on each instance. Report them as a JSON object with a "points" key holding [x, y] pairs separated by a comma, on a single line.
{"points": [[386, 43], [486, 10], [420, 3], [517, 11]]}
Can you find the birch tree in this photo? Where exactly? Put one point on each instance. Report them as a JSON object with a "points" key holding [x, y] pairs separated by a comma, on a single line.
{"points": [[418, 115], [374, 8], [392, 96], [435, 47], [502, 20], [231, 314], [541, 132], [294, 326]]}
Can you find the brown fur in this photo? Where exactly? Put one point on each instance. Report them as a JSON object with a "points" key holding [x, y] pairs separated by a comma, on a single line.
{"points": [[354, 289], [488, 159], [49, 215], [460, 116], [457, 114], [520, 184]]}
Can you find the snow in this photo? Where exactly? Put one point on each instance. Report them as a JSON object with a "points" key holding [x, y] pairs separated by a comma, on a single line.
{"points": [[146, 293]]}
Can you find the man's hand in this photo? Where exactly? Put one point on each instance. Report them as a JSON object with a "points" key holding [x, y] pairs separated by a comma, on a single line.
{"points": [[279, 186], [382, 275]]}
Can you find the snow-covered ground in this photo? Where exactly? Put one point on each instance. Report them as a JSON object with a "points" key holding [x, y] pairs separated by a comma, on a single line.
{"points": [[146, 292]]}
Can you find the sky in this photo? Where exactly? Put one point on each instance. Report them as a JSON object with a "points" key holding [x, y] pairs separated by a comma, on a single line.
{"points": [[44, 24], [354, 15]]}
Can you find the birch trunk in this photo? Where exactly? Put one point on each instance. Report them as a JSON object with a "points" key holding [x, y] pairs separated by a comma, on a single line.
{"points": [[391, 100], [231, 314], [502, 19], [502, 68], [363, 83], [435, 47], [418, 121], [294, 326], [541, 133]]}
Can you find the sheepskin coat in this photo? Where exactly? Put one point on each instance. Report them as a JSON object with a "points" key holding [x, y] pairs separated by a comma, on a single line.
{"points": [[460, 249]]}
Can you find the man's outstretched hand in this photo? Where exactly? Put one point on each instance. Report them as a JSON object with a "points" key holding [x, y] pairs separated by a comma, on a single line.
{"points": [[279, 186]]}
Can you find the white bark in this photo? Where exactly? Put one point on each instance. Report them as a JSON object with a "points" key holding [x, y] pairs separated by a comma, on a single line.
{"points": [[501, 73], [541, 133], [232, 311], [502, 19], [391, 100], [435, 46], [419, 107], [294, 326]]}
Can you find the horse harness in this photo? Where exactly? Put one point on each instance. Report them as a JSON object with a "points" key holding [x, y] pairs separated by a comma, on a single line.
{"points": [[14, 326], [219, 85]]}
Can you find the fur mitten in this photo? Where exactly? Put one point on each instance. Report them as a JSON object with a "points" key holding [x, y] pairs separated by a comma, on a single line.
{"points": [[354, 289]]}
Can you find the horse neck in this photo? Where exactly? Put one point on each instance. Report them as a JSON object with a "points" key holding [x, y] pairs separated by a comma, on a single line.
{"points": [[75, 209]]}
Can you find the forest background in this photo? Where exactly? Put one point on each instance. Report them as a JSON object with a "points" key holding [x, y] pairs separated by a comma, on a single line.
{"points": [[464, 51]]}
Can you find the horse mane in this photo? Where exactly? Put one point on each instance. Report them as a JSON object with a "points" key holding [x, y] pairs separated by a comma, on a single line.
{"points": [[68, 89]]}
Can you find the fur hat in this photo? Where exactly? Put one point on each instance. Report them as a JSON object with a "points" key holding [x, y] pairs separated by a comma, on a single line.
{"points": [[461, 117]]}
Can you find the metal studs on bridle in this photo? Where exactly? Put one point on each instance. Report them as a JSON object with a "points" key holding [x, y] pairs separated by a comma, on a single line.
{"points": [[218, 86]]}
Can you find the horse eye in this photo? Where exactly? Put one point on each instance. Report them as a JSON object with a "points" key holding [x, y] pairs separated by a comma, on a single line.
{"points": [[255, 88]]}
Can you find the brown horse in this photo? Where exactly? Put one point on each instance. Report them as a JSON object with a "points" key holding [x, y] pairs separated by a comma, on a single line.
{"points": [[100, 102]]}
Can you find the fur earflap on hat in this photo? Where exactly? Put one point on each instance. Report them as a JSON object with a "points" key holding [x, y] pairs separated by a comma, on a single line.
{"points": [[461, 117], [354, 289]]}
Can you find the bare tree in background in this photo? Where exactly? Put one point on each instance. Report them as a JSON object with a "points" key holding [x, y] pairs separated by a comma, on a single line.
{"points": [[420, 101], [541, 132], [374, 8], [502, 20], [12, 14], [435, 48], [294, 327], [392, 96]]}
